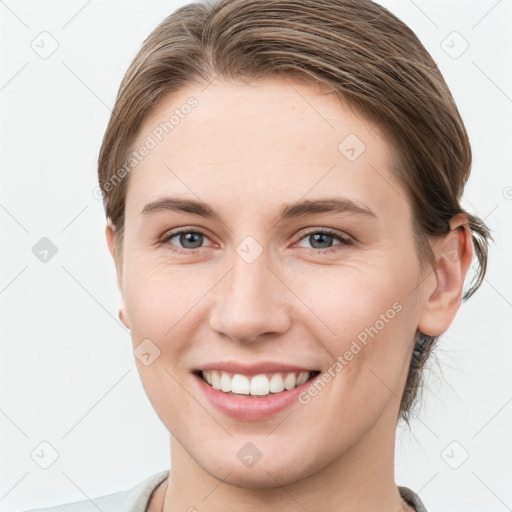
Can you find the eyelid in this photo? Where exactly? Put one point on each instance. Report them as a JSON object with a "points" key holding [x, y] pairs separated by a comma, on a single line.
{"points": [[327, 231], [170, 233], [344, 238], [163, 239]]}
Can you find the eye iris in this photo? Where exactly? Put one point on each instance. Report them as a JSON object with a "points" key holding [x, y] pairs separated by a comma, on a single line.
{"points": [[189, 237], [195, 239], [318, 237]]}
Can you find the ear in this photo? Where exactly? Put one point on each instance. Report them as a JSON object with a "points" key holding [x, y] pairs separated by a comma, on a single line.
{"points": [[444, 286], [109, 234]]}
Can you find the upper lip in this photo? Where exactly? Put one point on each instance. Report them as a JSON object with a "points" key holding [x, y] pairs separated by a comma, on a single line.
{"points": [[254, 368]]}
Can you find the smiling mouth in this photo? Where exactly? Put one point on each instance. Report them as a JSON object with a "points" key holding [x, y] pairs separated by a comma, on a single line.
{"points": [[261, 385]]}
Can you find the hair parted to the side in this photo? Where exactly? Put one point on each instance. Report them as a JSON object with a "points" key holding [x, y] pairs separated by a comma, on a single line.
{"points": [[355, 49]]}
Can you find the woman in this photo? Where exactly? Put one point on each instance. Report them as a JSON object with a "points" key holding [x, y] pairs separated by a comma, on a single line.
{"points": [[282, 182]]}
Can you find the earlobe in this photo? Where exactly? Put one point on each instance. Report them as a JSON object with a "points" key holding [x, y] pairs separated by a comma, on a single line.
{"points": [[122, 314], [444, 286]]}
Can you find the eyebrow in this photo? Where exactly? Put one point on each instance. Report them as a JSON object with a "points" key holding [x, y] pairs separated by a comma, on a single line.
{"points": [[288, 211]]}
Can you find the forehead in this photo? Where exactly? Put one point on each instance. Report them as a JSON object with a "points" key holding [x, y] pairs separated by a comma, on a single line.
{"points": [[267, 139]]}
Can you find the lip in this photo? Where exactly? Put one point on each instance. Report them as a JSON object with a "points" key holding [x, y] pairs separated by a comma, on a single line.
{"points": [[254, 369], [249, 408]]}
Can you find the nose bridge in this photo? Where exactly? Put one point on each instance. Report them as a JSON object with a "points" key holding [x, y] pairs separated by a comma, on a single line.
{"points": [[248, 300], [249, 277]]}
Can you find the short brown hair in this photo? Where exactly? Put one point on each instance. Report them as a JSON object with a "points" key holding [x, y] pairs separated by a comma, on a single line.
{"points": [[355, 49]]}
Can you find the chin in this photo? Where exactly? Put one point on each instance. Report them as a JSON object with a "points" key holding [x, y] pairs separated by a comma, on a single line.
{"points": [[275, 469]]}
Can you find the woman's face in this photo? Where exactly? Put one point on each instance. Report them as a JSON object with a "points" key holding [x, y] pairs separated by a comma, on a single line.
{"points": [[265, 276]]}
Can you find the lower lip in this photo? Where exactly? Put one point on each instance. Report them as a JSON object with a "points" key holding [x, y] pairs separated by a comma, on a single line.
{"points": [[247, 407]]}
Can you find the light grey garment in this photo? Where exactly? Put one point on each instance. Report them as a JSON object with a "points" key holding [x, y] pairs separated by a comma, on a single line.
{"points": [[131, 500], [136, 499]]}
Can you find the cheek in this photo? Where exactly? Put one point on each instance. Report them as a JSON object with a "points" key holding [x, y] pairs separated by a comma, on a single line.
{"points": [[356, 300], [367, 354], [160, 305], [349, 299], [148, 296], [163, 301], [364, 318]]}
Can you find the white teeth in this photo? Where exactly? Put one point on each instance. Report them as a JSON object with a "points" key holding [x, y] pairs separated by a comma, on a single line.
{"points": [[258, 385], [303, 377], [276, 383], [290, 381], [215, 378], [225, 382], [240, 384]]}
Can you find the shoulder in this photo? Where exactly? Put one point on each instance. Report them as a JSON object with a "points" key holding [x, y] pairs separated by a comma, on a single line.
{"points": [[134, 499], [412, 498]]}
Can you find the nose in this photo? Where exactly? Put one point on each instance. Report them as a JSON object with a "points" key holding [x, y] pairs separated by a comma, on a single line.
{"points": [[250, 302]]}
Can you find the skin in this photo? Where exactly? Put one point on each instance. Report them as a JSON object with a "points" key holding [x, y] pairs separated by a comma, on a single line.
{"points": [[246, 150]]}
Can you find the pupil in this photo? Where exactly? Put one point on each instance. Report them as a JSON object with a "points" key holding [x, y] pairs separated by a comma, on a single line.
{"points": [[318, 237], [189, 237], [195, 238]]}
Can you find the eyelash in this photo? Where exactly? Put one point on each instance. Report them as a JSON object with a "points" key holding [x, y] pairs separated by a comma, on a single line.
{"points": [[345, 241]]}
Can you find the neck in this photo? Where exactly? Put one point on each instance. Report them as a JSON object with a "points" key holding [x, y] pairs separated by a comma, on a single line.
{"points": [[360, 479]]}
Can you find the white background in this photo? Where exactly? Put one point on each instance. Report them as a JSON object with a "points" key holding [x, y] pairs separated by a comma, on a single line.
{"points": [[67, 371]]}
